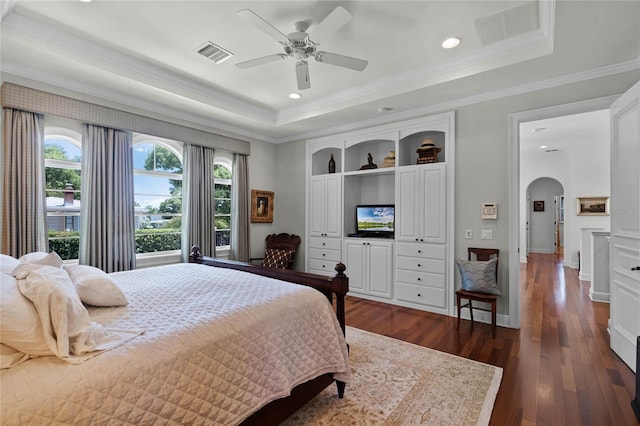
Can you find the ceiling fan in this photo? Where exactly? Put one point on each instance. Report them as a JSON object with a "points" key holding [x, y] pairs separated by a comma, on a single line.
{"points": [[301, 45]]}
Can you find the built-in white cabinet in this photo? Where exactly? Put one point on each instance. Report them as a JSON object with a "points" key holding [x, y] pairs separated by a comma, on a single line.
{"points": [[325, 195], [421, 273], [323, 255], [386, 165], [421, 201], [371, 271]]}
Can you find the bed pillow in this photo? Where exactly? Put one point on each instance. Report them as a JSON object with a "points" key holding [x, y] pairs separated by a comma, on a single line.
{"points": [[8, 263], [66, 325], [479, 276], [20, 326], [95, 287], [277, 258], [42, 258]]}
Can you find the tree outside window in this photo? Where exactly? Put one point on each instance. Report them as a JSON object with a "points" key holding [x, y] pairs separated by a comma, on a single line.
{"points": [[222, 215]]}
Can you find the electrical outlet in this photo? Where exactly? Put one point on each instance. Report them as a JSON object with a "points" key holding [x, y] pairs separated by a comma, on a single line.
{"points": [[468, 234], [486, 234]]}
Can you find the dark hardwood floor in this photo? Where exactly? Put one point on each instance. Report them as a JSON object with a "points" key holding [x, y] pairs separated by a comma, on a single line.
{"points": [[558, 368]]}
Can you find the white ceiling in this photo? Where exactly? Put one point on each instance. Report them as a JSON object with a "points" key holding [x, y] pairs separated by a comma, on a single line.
{"points": [[142, 54]]}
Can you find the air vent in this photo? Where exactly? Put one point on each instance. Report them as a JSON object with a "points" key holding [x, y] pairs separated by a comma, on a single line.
{"points": [[551, 150], [508, 23], [214, 52]]}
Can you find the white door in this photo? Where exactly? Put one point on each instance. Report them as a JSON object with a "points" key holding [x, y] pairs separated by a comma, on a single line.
{"points": [[354, 255], [624, 324], [333, 199], [317, 206]]}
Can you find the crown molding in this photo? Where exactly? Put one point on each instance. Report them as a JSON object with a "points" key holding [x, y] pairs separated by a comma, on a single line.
{"points": [[470, 100]]}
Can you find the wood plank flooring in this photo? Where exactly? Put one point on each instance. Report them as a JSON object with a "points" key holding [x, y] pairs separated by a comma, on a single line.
{"points": [[558, 368]]}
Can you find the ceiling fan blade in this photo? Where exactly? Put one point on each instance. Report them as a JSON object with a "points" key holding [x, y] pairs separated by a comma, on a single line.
{"points": [[329, 25], [302, 73], [260, 61], [341, 61], [262, 25]]}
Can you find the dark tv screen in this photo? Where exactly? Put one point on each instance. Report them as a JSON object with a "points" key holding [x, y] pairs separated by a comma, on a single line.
{"points": [[375, 219]]}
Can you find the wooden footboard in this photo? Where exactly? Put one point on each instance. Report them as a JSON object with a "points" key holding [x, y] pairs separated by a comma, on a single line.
{"points": [[338, 286]]}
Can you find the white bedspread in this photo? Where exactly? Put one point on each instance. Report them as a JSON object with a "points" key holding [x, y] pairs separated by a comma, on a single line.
{"points": [[218, 344]]}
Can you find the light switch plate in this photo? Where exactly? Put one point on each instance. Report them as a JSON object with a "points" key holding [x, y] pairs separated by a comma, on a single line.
{"points": [[486, 234], [468, 234]]}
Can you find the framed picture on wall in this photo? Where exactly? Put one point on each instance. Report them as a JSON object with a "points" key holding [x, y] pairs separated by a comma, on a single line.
{"points": [[261, 206], [538, 206], [593, 206]]}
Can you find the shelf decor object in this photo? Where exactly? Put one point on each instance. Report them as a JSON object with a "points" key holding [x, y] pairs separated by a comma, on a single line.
{"points": [[370, 164], [428, 152], [390, 159], [332, 164], [261, 206], [538, 206]]}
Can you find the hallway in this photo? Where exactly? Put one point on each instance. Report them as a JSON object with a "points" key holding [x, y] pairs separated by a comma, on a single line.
{"points": [[558, 368]]}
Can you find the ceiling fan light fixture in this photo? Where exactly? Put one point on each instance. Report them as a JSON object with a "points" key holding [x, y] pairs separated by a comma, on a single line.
{"points": [[451, 42]]}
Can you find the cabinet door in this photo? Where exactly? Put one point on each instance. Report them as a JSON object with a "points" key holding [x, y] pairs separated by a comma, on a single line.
{"points": [[356, 262], [407, 215], [433, 208], [333, 201], [317, 206], [380, 268]]}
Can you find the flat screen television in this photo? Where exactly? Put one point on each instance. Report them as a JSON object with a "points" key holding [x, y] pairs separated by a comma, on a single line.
{"points": [[375, 220]]}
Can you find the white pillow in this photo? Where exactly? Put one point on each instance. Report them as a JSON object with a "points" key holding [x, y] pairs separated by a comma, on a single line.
{"points": [[8, 263], [42, 258], [95, 287], [68, 329], [20, 325]]}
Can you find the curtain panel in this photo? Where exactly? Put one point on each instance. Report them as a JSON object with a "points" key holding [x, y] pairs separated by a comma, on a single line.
{"points": [[24, 207], [107, 218], [198, 203], [240, 209]]}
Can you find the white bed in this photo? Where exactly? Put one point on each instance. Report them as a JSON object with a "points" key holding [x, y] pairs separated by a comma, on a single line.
{"points": [[217, 345]]}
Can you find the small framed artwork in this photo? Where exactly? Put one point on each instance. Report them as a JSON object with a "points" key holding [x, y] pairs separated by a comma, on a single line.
{"points": [[593, 206], [261, 206], [538, 206]]}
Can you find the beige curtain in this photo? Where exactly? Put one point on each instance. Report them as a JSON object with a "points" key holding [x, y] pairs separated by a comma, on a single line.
{"points": [[240, 209], [24, 206], [198, 204], [107, 218]]}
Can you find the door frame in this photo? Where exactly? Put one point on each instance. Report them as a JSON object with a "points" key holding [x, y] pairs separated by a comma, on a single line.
{"points": [[513, 135]]}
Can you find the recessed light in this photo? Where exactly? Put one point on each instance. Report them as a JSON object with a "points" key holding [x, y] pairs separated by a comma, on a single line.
{"points": [[543, 147], [538, 129], [295, 95], [385, 109], [451, 42]]}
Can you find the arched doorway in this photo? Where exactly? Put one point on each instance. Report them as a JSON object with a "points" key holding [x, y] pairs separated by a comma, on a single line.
{"points": [[544, 216]]}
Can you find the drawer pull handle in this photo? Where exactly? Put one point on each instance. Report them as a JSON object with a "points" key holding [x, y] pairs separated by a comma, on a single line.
{"points": [[419, 279], [419, 295], [419, 265], [636, 268], [419, 251]]}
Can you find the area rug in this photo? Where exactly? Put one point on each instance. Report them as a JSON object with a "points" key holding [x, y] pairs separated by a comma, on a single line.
{"points": [[398, 383]]}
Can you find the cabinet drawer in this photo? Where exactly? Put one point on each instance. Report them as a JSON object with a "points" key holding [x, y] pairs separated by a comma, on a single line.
{"points": [[325, 243], [420, 265], [420, 278], [426, 251], [324, 254], [423, 295], [324, 266]]}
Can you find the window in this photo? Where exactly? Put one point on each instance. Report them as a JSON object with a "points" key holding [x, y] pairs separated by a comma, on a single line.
{"points": [[158, 194], [222, 182], [62, 152]]}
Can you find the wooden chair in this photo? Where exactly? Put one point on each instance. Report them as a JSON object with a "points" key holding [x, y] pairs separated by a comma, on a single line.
{"points": [[482, 254], [280, 251]]}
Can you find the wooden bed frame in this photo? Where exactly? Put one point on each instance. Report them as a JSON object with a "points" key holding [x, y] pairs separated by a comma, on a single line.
{"points": [[279, 410]]}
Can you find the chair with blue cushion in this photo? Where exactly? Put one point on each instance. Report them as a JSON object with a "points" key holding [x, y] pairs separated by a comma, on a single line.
{"points": [[479, 282]]}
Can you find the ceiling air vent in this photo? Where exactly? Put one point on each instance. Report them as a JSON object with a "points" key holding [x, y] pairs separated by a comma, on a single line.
{"points": [[214, 52], [508, 23]]}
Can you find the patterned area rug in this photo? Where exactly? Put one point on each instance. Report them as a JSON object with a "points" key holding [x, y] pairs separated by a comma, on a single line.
{"points": [[398, 383]]}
